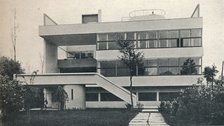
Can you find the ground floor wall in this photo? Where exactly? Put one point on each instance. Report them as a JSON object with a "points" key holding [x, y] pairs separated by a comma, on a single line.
{"points": [[146, 96]]}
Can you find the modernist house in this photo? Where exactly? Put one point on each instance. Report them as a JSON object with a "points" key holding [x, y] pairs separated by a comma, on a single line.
{"points": [[94, 77]]}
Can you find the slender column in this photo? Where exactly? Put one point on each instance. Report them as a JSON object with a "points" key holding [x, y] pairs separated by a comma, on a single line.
{"points": [[48, 97], [157, 96]]}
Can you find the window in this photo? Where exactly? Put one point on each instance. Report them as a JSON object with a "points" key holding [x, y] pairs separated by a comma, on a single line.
{"points": [[196, 33], [174, 70], [184, 33], [151, 71], [108, 72], [142, 44], [123, 72], [163, 43], [168, 96], [173, 34], [152, 44], [196, 42], [152, 62], [115, 36], [163, 62], [102, 45], [173, 62], [142, 35], [172, 42], [186, 42], [149, 96], [102, 37], [72, 94], [152, 35], [164, 71], [109, 97], [130, 36], [91, 96], [163, 34], [113, 45]]}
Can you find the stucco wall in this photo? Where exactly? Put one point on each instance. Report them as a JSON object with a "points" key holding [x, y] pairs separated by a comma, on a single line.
{"points": [[78, 101]]}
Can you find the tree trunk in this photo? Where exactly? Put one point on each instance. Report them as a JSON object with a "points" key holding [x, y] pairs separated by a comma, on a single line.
{"points": [[131, 91]]}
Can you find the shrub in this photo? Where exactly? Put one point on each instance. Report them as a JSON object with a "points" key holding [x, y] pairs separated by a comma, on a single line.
{"points": [[196, 105]]}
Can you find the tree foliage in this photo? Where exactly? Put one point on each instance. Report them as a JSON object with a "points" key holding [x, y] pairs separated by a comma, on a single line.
{"points": [[197, 105], [11, 92], [11, 95], [61, 96], [210, 73], [8, 67], [133, 59], [189, 67]]}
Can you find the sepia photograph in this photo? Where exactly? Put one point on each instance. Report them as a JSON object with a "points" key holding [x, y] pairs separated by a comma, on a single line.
{"points": [[111, 63]]}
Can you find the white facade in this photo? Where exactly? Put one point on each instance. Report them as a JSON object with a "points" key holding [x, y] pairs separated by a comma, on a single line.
{"points": [[92, 74]]}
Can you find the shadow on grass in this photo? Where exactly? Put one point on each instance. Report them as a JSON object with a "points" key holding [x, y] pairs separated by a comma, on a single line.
{"points": [[88, 117]]}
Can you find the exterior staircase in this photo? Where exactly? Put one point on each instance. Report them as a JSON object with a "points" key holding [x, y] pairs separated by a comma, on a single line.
{"points": [[115, 89], [78, 79]]}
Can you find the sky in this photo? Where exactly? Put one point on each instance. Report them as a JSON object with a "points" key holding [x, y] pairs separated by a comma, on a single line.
{"points": [[29, 16]]}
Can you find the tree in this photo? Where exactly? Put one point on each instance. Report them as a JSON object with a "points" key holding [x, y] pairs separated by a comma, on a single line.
{"points": [[61, 96], [189, 67], [11, 95], [11, 92], [133, 59], [8, 67], [209, 74]]}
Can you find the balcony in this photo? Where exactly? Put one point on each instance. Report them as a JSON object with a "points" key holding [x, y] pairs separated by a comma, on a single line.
{"points": [[72, 63]]}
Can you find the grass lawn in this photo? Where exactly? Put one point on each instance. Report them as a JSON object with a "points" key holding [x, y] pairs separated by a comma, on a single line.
{"points": [[89, 117]]}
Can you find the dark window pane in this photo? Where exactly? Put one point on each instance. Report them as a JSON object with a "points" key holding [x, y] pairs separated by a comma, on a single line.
{"points": [[173, 62], [196, 41], [186, 42], [147, 96], [115, 36], [142, 44], [102, 37], [109, 97], [108, 72], [165, 71], [90, 55], [141, 35], [172, 43], [152, 35], [77, 55], [113, 45], [184, 33], [83, 55], [196, 33], [182, 60], [163, 43], [173, 34], [102, 45], [91, 96], [122, 72], [163, 62], [152, 43], [174, 71], [168, 96], [130, 36], [196, 60], [163, 34], [120, 64], [107, 64]]}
